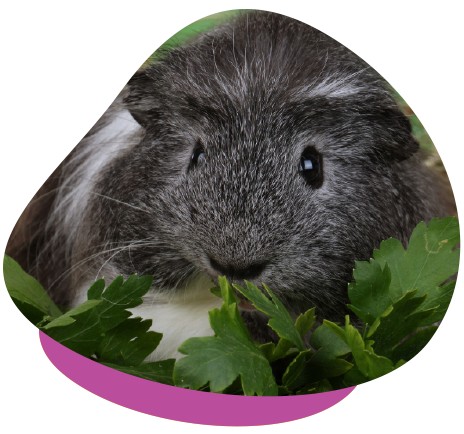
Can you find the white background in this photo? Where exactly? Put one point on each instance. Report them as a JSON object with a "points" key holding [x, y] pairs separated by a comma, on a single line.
{"points": [[62, 65]]}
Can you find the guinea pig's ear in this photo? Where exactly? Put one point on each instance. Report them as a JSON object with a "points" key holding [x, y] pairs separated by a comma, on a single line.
{"points": [[139, 99], [398, 144]]}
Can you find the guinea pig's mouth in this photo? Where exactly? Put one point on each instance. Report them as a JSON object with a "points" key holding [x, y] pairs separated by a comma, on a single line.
{"points": [[243, 304]]}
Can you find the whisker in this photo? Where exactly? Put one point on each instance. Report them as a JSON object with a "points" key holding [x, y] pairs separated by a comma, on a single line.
{"points": [[82, 262], [121, 202]]}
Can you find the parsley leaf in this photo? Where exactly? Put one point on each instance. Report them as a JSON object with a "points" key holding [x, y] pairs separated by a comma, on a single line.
{"points": [[399, 296], [218, 360], [27, 293]]}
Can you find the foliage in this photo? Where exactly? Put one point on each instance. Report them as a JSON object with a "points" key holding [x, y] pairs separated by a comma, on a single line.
{"points": [[398, 298]]}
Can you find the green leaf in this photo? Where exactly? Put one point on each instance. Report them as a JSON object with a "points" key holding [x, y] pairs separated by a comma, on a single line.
{"points": [[329, 360], [369, 364], [160, 372], [398, 322], [354, 377], [309, 368], [430, 260], [128, 344], [279, 319], [79, 329], [427, 266], [121, 295], [331, 338], [305, 322], [368, 293], [27, 293], [218, 360], [326, 361], [275, 352], [83, 328], [96, 290], [411, 346], [297, 375], [320, 387], [69, 317], [439, 301]]}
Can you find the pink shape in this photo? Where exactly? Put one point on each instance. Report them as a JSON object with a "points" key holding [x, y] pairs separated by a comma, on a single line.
{"points": [[182, 404]]}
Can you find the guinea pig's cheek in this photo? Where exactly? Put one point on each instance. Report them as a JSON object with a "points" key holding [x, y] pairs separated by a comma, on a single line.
{"points": [[255, 146]]}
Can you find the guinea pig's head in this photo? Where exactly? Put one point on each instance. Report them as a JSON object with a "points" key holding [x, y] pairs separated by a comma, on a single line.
{"points": [[273, 157]]}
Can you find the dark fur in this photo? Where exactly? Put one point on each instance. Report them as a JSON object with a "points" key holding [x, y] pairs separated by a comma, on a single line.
{"points": [[252, 93]]}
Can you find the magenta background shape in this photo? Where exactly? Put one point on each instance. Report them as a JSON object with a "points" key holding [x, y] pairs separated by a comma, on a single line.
{"points": [[182, 404]]}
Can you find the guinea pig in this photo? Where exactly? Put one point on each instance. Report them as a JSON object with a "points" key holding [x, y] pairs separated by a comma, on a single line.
{"points": [[261, 150]]}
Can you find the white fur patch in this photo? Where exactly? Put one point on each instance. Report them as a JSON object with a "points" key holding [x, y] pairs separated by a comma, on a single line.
{"points": [[179, 316], [119, 133]]}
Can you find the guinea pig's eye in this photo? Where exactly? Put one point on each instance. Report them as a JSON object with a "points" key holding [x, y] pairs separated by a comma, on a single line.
{"points": [[198, 156], [310, 166]]}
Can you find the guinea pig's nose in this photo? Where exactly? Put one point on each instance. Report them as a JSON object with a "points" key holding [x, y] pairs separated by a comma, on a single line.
{"points": [[232, 271]]}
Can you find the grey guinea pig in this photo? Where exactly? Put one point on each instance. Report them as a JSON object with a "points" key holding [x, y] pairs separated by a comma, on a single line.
{"points": [[261, 150]]}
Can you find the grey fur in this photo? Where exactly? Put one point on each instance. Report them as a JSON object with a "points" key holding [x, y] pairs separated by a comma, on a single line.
{"points": [[254, 93]]}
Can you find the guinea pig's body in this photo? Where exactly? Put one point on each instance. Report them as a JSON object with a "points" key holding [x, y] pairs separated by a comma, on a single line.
{"points": [[262, 150]]}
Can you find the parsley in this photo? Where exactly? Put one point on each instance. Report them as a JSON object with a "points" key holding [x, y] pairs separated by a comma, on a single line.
{"points": [[397, 297]]}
